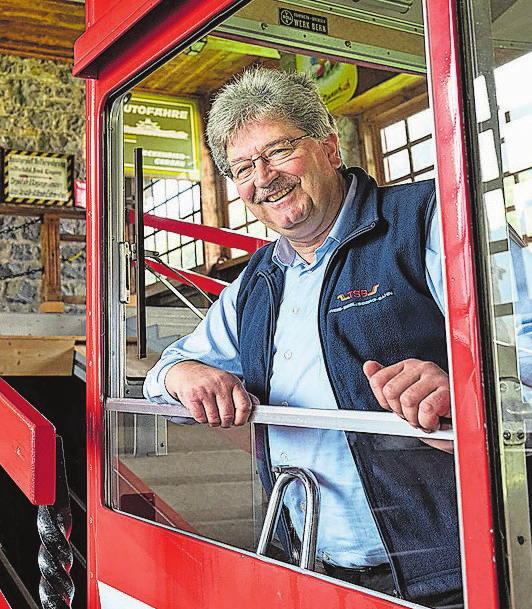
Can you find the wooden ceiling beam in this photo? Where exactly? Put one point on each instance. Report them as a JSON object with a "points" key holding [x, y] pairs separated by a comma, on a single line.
{"points": [[42, 30]]}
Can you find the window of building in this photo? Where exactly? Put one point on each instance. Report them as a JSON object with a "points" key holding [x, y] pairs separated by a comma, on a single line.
{"points": [[408, 149], [240, 218], [177, 200]]}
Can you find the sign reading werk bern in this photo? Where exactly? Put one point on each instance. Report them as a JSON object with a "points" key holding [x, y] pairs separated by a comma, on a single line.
{"points": [[166, 128]]}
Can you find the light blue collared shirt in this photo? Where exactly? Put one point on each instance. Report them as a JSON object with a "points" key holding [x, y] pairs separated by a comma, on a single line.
{"points": [[347, 533]]}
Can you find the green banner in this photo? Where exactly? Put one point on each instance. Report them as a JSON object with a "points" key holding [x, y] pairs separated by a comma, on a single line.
{"points": [[166, 128]]}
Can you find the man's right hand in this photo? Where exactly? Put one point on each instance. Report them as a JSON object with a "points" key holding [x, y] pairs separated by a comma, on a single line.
{"points": [[211, 395]]}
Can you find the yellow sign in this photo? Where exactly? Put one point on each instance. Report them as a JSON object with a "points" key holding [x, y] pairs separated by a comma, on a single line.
{"points": [[39, 178], [336, 81], [166, 128]]}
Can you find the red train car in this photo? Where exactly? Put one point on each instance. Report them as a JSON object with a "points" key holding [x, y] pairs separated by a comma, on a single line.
{"points": [[435, 90]]}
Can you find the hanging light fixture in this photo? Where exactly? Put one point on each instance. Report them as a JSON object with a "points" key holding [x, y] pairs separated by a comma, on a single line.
{"points": [[196, 47]]}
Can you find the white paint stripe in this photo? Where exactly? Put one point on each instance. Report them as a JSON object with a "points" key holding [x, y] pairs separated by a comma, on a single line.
{"points": [[111, 598]]}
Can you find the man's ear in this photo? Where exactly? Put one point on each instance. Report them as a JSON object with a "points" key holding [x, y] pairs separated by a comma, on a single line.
{"points": [[332, 150]]}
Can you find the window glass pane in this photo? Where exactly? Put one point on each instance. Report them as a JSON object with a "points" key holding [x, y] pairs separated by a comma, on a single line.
{"points": [[174, 258], [394, 136], [173, 241], [503, 122], [186, 204], [161, 244], [397, 165], [232, 192], [237, 213], [257, 229], [189, 255], [429, 175], [203, 480], [518, 137], [172, 188], [420, 124], [422, 155]]}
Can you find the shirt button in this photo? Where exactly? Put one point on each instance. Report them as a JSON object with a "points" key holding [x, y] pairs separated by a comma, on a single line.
{"points": [[285, 403], [325, 556], [284, 457], [296, 310], [302, 506], [288, 354]]}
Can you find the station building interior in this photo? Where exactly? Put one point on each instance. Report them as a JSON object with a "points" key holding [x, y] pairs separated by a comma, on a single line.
{"points": [[385, 124]]}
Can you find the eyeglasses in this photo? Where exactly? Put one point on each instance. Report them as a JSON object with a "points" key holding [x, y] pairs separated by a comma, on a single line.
{"points": [[274, 154]]}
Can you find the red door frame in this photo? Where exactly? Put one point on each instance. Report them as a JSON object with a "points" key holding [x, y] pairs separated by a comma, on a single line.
{"points": [[196, 573]]}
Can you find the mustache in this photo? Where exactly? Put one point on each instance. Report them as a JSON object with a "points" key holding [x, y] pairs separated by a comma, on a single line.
{"points": [[280, 183]]}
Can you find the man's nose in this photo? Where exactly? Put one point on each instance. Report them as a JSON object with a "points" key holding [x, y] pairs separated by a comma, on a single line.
{"points": [[264, 173]]}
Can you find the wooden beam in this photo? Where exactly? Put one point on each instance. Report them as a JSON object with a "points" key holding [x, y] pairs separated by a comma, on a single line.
{"points": [[72, 238], [51, 277], [7, 209], [384, 92], [212, 196]]}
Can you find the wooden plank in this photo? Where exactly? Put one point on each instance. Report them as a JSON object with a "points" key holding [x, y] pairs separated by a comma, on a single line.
{"points": [[36, 355], [7, 209], [51, 277], [27, 447], [384, 92], [52, 306], [45, 30]]}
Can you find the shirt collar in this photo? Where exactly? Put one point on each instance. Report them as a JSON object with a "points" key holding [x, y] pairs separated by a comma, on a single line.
{"points": [[285, 255]]}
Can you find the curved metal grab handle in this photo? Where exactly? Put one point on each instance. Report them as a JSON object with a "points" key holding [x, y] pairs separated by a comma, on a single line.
{"points": [[287, 475]]}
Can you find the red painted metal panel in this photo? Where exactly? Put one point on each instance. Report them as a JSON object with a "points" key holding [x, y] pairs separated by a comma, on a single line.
{"points": [[470, 444], [207, 284], [105, 24], [27, 447], [3, 603], [181, 571], [221, 236], [113, 26]]}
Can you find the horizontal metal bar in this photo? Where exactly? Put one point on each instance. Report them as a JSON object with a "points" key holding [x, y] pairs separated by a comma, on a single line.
{"points": [[385, 423], [212, 234]]}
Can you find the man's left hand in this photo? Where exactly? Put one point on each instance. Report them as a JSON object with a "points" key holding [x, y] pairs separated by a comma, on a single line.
{"points": [[415, 390]]}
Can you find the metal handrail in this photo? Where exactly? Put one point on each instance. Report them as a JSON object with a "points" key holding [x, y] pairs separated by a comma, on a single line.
{"points": [[384, 423], [225, 237]]}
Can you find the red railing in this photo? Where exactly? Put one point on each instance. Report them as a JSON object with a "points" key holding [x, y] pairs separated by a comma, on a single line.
{"points": [[27, 447], [220, 236]]}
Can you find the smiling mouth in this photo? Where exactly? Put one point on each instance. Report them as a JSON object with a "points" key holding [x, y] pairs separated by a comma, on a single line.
{"points": [[278, 195]]}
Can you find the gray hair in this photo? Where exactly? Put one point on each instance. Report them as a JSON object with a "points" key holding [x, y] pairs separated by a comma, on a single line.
{"points": [[261, 94]]}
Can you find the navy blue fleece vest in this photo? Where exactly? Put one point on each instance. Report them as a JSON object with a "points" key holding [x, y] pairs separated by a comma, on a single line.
{"points": [[375, 304]]}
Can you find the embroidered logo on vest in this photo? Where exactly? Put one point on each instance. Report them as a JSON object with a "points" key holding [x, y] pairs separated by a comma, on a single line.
{"points": [[357, 298], [358, 293]]}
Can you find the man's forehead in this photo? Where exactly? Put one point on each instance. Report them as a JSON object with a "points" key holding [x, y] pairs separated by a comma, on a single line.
{"points": [[256, 135]]}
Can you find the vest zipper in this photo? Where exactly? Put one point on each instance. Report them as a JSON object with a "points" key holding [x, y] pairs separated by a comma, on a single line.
{"points": [[354, 235]]}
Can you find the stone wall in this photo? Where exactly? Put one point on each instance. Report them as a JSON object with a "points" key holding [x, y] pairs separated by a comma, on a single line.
{"points": [[42, 108], [20, 264]]}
